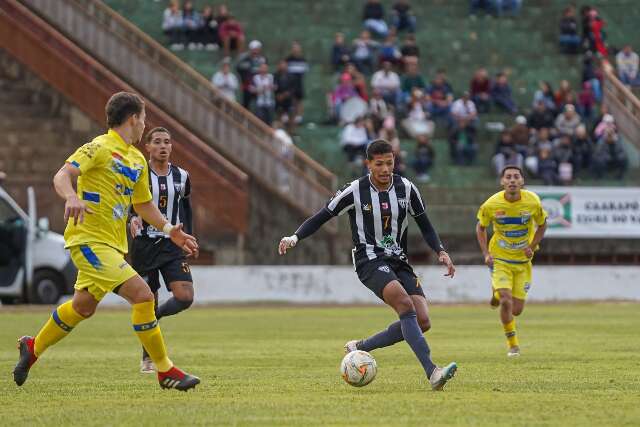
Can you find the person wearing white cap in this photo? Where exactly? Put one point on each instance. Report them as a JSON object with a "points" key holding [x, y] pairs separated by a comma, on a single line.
{"points": [[248, 65], [568, 121]]}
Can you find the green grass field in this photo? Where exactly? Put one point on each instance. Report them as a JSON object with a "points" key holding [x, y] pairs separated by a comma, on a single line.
{"points": [[279, 366]]}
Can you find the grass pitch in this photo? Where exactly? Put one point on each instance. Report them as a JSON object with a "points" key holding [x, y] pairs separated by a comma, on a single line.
{"points": [[279, 366]]}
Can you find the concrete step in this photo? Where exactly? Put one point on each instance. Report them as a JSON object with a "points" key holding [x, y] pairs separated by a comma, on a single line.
{"points": [[13, 123]]}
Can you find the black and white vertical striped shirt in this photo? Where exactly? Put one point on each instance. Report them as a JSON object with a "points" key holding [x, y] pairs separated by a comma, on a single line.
{"points": [[378, 219], [168, 192]]}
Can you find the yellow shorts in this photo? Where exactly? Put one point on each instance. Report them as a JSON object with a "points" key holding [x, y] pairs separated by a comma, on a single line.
{"points": [[516, 277], [100, 268]]}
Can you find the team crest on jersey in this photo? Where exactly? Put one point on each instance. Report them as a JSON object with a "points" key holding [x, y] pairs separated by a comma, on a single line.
{"points": [[384, 269], [118, 211], [526, 216], [366, 207], [163, 187], [402, 203], [177, 188]]}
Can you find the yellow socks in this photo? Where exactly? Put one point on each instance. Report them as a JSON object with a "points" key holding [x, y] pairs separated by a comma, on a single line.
{"points": [[510, 333], [62, 321], [149, 334]]}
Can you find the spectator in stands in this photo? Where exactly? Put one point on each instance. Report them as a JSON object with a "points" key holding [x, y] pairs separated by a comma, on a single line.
{"points": [[342, 93], [564, 95], [297, 67], [354, 139], [506, 153], [423, 158], [598, 39], [609, 156], [567, 122], [389, 51], [340, 53], [569, 38], [283, 92], [586, 27], [582, 149], [387, 82], [592, 74], [364, 52], [402, 18], [480, 90], [540, 117], [359, 82], [287, 152], [379, 110], [373, 18], [3, 176], [539, 141], [173, 25], [440, 96], [586, 101], [230, 32], [546, 95], [388, 133], [521, 135], [193, 26], [248, 65], [563, 155], [411, 80], [547, 167], [209, 33], [462, 133], [225, 80], [627, 64], [501, 94], [409, 48], [496, 7], [417, 122], [606, 125], [263, 88]]}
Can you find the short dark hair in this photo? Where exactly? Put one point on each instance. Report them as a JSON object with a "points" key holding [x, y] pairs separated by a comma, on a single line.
{"points": [[504, 169], [121, 106], [379, 146], [155, 130]]}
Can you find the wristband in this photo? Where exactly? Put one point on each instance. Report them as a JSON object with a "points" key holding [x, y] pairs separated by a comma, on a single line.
{"points": [[295, 238], [167, 228]]}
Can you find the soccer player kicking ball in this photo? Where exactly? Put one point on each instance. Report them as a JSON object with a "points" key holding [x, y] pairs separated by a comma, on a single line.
{"points": [[519, 223], [153, 253], [379, 205], [111, 174]]}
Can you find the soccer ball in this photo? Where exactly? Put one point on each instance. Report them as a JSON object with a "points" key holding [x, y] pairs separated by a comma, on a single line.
{"points": [[358, 368]]}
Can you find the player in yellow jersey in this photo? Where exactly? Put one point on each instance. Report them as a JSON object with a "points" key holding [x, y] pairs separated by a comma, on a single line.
{"points": [[519, 223], [111, 175]]}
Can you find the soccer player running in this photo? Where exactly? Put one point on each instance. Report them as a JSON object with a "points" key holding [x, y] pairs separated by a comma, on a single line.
{"points": [[379, 205], [111, 174], [519, 223], [152, 252]]}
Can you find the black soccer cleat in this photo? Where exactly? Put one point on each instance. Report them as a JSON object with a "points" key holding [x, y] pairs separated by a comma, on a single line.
{"points": [[175, 378], [26, 359]]}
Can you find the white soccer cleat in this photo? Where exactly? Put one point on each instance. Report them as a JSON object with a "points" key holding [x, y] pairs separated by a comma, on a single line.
{"points": [[440, 376], [350, 346], [514, 352], [147, 366]]}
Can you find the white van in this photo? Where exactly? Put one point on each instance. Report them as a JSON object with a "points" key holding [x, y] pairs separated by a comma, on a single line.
{"points": [[34, 266]]}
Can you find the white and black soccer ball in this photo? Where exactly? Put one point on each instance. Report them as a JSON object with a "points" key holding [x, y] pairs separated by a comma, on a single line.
{"points": [[358, 368]]}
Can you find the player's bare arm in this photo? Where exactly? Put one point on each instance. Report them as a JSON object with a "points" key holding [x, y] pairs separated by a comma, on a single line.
{"points": [[63, 184], [481, 235], [135, 225], [151, 214]]}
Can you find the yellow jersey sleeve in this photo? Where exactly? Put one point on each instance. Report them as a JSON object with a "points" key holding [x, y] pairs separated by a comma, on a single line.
{"points": [[484, 215], [141, 193], [539, 215], [87, 156]]}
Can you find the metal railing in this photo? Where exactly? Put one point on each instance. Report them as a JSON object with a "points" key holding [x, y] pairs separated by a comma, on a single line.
{"points": [[190, 99], [623, 105]]}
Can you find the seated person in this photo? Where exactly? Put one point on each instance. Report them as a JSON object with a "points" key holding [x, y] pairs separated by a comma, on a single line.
{"points": [[409, 49], [540, 117], [411, 80], [546, 95], [582, 149], [402, 18], [209, 34], [364, 52], [423, 158], [501, 94], [417, 122], [440, 96], [462, 132], [627, 66], [547, 169], [379, 110], [231, 34], [173, 25], [343, 92], [193, 26], [389, 51], [506, 153], [563, 155], [387, 82], [354, 139], [564, 95], [569, 39], [609, 155], [480, 90], [567, 122], [373, 18], [340, 53]]}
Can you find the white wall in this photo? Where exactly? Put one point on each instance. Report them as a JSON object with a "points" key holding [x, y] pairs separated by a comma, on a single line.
{"points": [[340, 284]]}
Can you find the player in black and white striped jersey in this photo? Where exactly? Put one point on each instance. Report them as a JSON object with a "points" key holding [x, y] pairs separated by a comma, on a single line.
{"points": [[152, 252], [379, 206]]}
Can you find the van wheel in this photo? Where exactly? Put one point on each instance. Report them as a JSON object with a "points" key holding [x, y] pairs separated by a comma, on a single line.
{"points": [[8, 300], [46, 289]]}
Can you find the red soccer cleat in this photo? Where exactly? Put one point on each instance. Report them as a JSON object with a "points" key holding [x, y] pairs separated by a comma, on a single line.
{"points": [[26, 360], [175, 378]]}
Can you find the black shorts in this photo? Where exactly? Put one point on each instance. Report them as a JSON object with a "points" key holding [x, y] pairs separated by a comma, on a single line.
{"points": [[377, 273], [152, 257]]}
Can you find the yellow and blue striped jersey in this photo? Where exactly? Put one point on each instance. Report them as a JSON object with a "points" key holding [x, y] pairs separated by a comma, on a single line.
{"points": [[514, 224], [114, 175]]}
